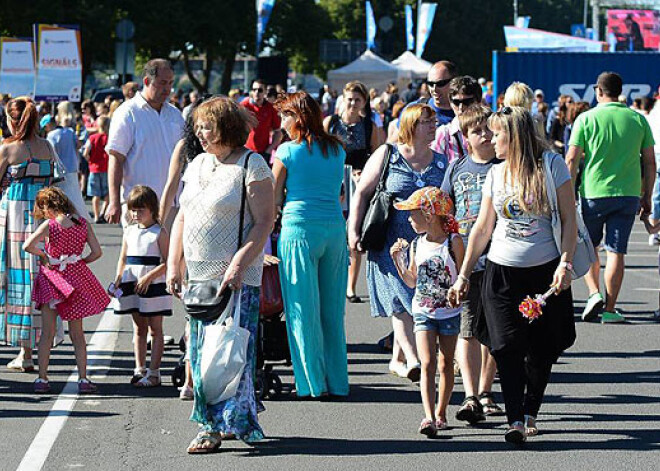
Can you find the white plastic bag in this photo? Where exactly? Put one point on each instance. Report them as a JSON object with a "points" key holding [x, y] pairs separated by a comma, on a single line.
{"points": [[224, 354]]}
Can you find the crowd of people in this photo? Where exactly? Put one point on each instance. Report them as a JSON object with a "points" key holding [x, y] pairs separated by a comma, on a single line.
{"points": [[480, 214]]}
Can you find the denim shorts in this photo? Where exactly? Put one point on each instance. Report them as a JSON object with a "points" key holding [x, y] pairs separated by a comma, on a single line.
{"points": [[97, 185], [449, 326], [616, 215]]}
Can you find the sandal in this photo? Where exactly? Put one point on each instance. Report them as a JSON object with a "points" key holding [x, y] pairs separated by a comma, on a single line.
{"points": [[354, 299], [150, 380], [471, 411], [205, 442], [441, 424], [488, 405], [427, 427], [138, 374], [85, 386], [41, 386], [531, 430]]}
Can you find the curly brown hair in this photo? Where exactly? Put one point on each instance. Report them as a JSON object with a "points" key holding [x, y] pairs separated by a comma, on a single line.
{"points": [[231, 122], [52, 199]]}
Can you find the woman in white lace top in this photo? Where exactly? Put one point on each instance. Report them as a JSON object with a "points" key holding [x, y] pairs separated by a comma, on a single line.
{"points": [[205, 235]]}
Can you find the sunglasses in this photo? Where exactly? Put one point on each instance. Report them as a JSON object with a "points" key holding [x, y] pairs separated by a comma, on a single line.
{"points": [[506, 110], [438, 83], [465, 101], [258, 90]]}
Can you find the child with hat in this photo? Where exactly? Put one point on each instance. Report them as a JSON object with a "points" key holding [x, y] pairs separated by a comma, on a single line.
{"points": [[435, 257]]}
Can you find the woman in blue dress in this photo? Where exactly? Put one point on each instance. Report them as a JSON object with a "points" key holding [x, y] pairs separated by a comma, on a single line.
{"points": [[412, 165]]}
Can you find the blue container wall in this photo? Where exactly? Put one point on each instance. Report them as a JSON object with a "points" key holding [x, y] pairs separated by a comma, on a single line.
{"points": [[575, 73]]}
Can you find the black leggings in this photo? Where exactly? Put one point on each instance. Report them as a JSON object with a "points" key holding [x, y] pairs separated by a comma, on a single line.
{"points": [[523, 378]]}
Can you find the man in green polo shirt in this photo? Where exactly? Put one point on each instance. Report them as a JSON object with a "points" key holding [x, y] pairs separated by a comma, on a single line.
{"points": [[612, 138]]}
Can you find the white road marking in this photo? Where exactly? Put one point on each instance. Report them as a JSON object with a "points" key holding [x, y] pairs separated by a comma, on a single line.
{"points": [[104, 340]]}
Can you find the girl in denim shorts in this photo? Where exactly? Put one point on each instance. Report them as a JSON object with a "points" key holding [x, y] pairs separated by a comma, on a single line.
{"points": [[434, 257]]}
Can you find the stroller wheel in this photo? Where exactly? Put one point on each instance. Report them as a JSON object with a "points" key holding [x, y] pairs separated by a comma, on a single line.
{"points": [[274, 385], [179, 375]]}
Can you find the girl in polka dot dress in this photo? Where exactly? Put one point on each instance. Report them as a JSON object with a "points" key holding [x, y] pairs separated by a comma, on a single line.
{"points": [[65, 285]]}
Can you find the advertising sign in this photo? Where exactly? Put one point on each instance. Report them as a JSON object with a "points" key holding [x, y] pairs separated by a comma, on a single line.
{"points": [[59, 64], [634, 30], [16, 67], [575, 73]]}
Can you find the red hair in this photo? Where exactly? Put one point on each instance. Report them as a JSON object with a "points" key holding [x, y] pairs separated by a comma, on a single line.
{"points": [[308, 124], [24, 118]]}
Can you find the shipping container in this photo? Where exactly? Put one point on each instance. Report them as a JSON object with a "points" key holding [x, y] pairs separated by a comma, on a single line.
{"points": [[575, 73]]}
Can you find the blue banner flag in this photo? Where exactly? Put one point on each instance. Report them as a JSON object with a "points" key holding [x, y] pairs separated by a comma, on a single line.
{"points": [[410, 36], [371, 27], [264, 9], [424, 24]]}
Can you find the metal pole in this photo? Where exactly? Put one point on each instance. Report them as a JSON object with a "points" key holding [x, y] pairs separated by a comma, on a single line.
{"points": [[125, 70], [584, 14], [595, 20], [515, 12]]}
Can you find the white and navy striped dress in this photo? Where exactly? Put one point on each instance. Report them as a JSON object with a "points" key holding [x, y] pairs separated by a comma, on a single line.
{"points": [[142, 256]]}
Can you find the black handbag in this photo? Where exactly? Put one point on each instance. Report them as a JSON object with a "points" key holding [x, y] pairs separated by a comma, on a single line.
{"points": [[203, 300], [374, 224]]}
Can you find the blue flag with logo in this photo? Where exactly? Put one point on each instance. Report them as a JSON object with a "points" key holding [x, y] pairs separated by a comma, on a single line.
{"points": [[371, 27], [410, 36], [424, 24], [264, 9]]}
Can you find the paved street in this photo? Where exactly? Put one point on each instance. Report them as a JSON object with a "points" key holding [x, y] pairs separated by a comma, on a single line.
{"points": [[601, 411]]}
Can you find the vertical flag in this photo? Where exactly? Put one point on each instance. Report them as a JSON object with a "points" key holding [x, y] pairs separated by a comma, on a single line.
{"points": [[264, 9], [371, 27], [523, 21], [424, 24], [410, 36]]}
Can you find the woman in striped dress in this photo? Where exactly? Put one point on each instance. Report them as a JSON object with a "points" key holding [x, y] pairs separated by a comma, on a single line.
{"points": [[26, 163]]}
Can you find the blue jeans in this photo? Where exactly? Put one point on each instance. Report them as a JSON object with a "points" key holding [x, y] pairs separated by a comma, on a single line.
{"points": [[449, 326], [616, 215]]}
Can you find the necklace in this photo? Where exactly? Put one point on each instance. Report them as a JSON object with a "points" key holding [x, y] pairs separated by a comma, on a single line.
{"points": [[217, 161]]}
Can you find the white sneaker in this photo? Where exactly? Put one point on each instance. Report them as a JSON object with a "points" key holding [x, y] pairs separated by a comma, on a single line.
{"points": [[594, 304], [654, 239], [399, 369]]}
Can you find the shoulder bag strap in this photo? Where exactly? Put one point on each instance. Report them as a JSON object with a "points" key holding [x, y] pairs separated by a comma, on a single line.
{"points": [[386, 165], [241, 217], [555, 219], [459, 145]]}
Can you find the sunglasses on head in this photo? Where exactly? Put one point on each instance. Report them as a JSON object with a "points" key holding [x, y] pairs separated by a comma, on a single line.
{"points": [[438, 83], [506, 110], [258, 90], [464, 101]]}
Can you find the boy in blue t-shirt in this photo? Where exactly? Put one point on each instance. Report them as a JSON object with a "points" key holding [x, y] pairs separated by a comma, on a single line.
{"points": [[463, 182]]}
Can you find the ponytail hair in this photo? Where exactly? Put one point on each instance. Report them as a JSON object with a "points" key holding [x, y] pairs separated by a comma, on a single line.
{"points": [[24, 119]]}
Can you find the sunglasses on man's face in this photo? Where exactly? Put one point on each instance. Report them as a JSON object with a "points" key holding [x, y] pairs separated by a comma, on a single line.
{"points": [[438, 83], [465, 101], [258, 90]]}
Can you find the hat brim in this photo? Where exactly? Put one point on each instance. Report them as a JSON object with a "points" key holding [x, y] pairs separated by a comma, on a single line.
{"points": [[406, 206]]}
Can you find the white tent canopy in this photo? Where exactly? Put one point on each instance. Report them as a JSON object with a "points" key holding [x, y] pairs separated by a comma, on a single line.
{"points": [[369, 69], [417, 67]]}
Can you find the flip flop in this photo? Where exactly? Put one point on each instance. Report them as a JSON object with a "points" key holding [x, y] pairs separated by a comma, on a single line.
{"points": [[196, 446]]}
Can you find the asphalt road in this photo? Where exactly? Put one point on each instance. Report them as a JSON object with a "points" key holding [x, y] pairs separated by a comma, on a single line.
{"points": [[600, 412]]}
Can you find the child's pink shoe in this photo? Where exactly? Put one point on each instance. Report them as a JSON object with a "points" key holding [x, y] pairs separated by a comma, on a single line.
{"points": [[85, 386]]}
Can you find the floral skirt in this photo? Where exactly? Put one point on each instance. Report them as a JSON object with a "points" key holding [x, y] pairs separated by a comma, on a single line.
{"points": [[237, 415]]}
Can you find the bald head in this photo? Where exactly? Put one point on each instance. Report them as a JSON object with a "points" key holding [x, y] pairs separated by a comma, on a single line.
{"points": [[438, 79]]}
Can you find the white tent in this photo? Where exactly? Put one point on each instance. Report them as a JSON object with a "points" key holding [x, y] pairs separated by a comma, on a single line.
{"points": [[369, 69], [415, 66]]}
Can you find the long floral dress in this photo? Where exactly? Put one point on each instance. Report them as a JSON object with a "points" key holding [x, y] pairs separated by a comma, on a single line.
{"points": [[20, 322]]}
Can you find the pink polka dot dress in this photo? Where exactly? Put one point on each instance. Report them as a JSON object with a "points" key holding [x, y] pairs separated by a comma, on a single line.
{"points": [[71, 287]]}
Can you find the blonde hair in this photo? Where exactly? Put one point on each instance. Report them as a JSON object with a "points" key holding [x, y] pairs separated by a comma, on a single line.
{"points": [[104, 124], [231, 122], [409, 119], [523, 167], [66, 114], [519, 94]]}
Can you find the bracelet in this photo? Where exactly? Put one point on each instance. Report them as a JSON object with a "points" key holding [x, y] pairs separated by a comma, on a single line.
{"points": [[464, 278], [568, 265]]}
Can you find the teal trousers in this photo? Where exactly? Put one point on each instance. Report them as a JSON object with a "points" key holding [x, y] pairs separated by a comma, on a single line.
{"points": [[313, 274]]}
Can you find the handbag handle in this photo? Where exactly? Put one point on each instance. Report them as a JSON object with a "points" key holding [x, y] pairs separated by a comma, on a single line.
{"points": [[241, 217], [386, 165], [551, 190]]}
